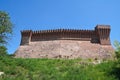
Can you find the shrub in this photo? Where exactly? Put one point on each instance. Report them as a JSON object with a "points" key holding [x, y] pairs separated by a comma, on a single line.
{"points": [[3, 50]]}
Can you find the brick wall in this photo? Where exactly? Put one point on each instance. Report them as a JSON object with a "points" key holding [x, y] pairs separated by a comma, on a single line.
{"points": [[99, 35]]}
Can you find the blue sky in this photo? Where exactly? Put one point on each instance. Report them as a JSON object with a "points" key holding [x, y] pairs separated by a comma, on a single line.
{"points": [[53, 14]]}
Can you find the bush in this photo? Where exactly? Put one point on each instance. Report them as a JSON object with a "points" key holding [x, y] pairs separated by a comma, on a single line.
{"points": [[3, 51], [54, 69]]}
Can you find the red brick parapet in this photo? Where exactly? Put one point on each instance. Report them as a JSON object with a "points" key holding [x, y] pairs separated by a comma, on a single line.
{"points": [[100, 35]]}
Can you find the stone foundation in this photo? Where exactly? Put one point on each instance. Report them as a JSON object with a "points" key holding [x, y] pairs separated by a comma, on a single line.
{"points": [[69, 49]]}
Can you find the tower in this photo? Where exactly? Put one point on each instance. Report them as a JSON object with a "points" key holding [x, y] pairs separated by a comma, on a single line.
{"points": [[26, 37], [103, 32]]}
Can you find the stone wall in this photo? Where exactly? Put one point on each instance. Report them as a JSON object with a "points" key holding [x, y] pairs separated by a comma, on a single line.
{"points": [[64, 49]]}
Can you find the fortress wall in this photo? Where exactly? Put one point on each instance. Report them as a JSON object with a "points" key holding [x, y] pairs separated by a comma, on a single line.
{"points": [[66, 43]]}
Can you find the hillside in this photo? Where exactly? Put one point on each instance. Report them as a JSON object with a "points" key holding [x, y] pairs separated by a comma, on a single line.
{"points": [[56, 69]]}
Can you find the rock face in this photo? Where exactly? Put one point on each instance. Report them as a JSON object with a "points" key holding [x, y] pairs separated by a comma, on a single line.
{"points": [[1, 73], [66, 44]]}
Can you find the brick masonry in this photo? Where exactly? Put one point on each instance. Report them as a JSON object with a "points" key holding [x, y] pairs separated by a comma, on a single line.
{"points": [[66, 43]]}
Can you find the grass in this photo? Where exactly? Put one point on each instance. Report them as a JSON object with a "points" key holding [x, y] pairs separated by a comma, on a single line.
{"points": [[54, 69]]}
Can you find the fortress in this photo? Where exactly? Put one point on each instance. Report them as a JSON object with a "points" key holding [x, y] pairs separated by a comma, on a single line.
{"points": [[66, 43]]}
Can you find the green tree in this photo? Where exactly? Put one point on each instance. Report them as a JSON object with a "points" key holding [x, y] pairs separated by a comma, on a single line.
{"points": [[5, 27], [116, 68], [117, 51], [5, 30]]}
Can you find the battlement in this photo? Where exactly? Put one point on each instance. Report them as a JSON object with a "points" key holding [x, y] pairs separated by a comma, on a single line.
{"points": [[99, 35]]}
